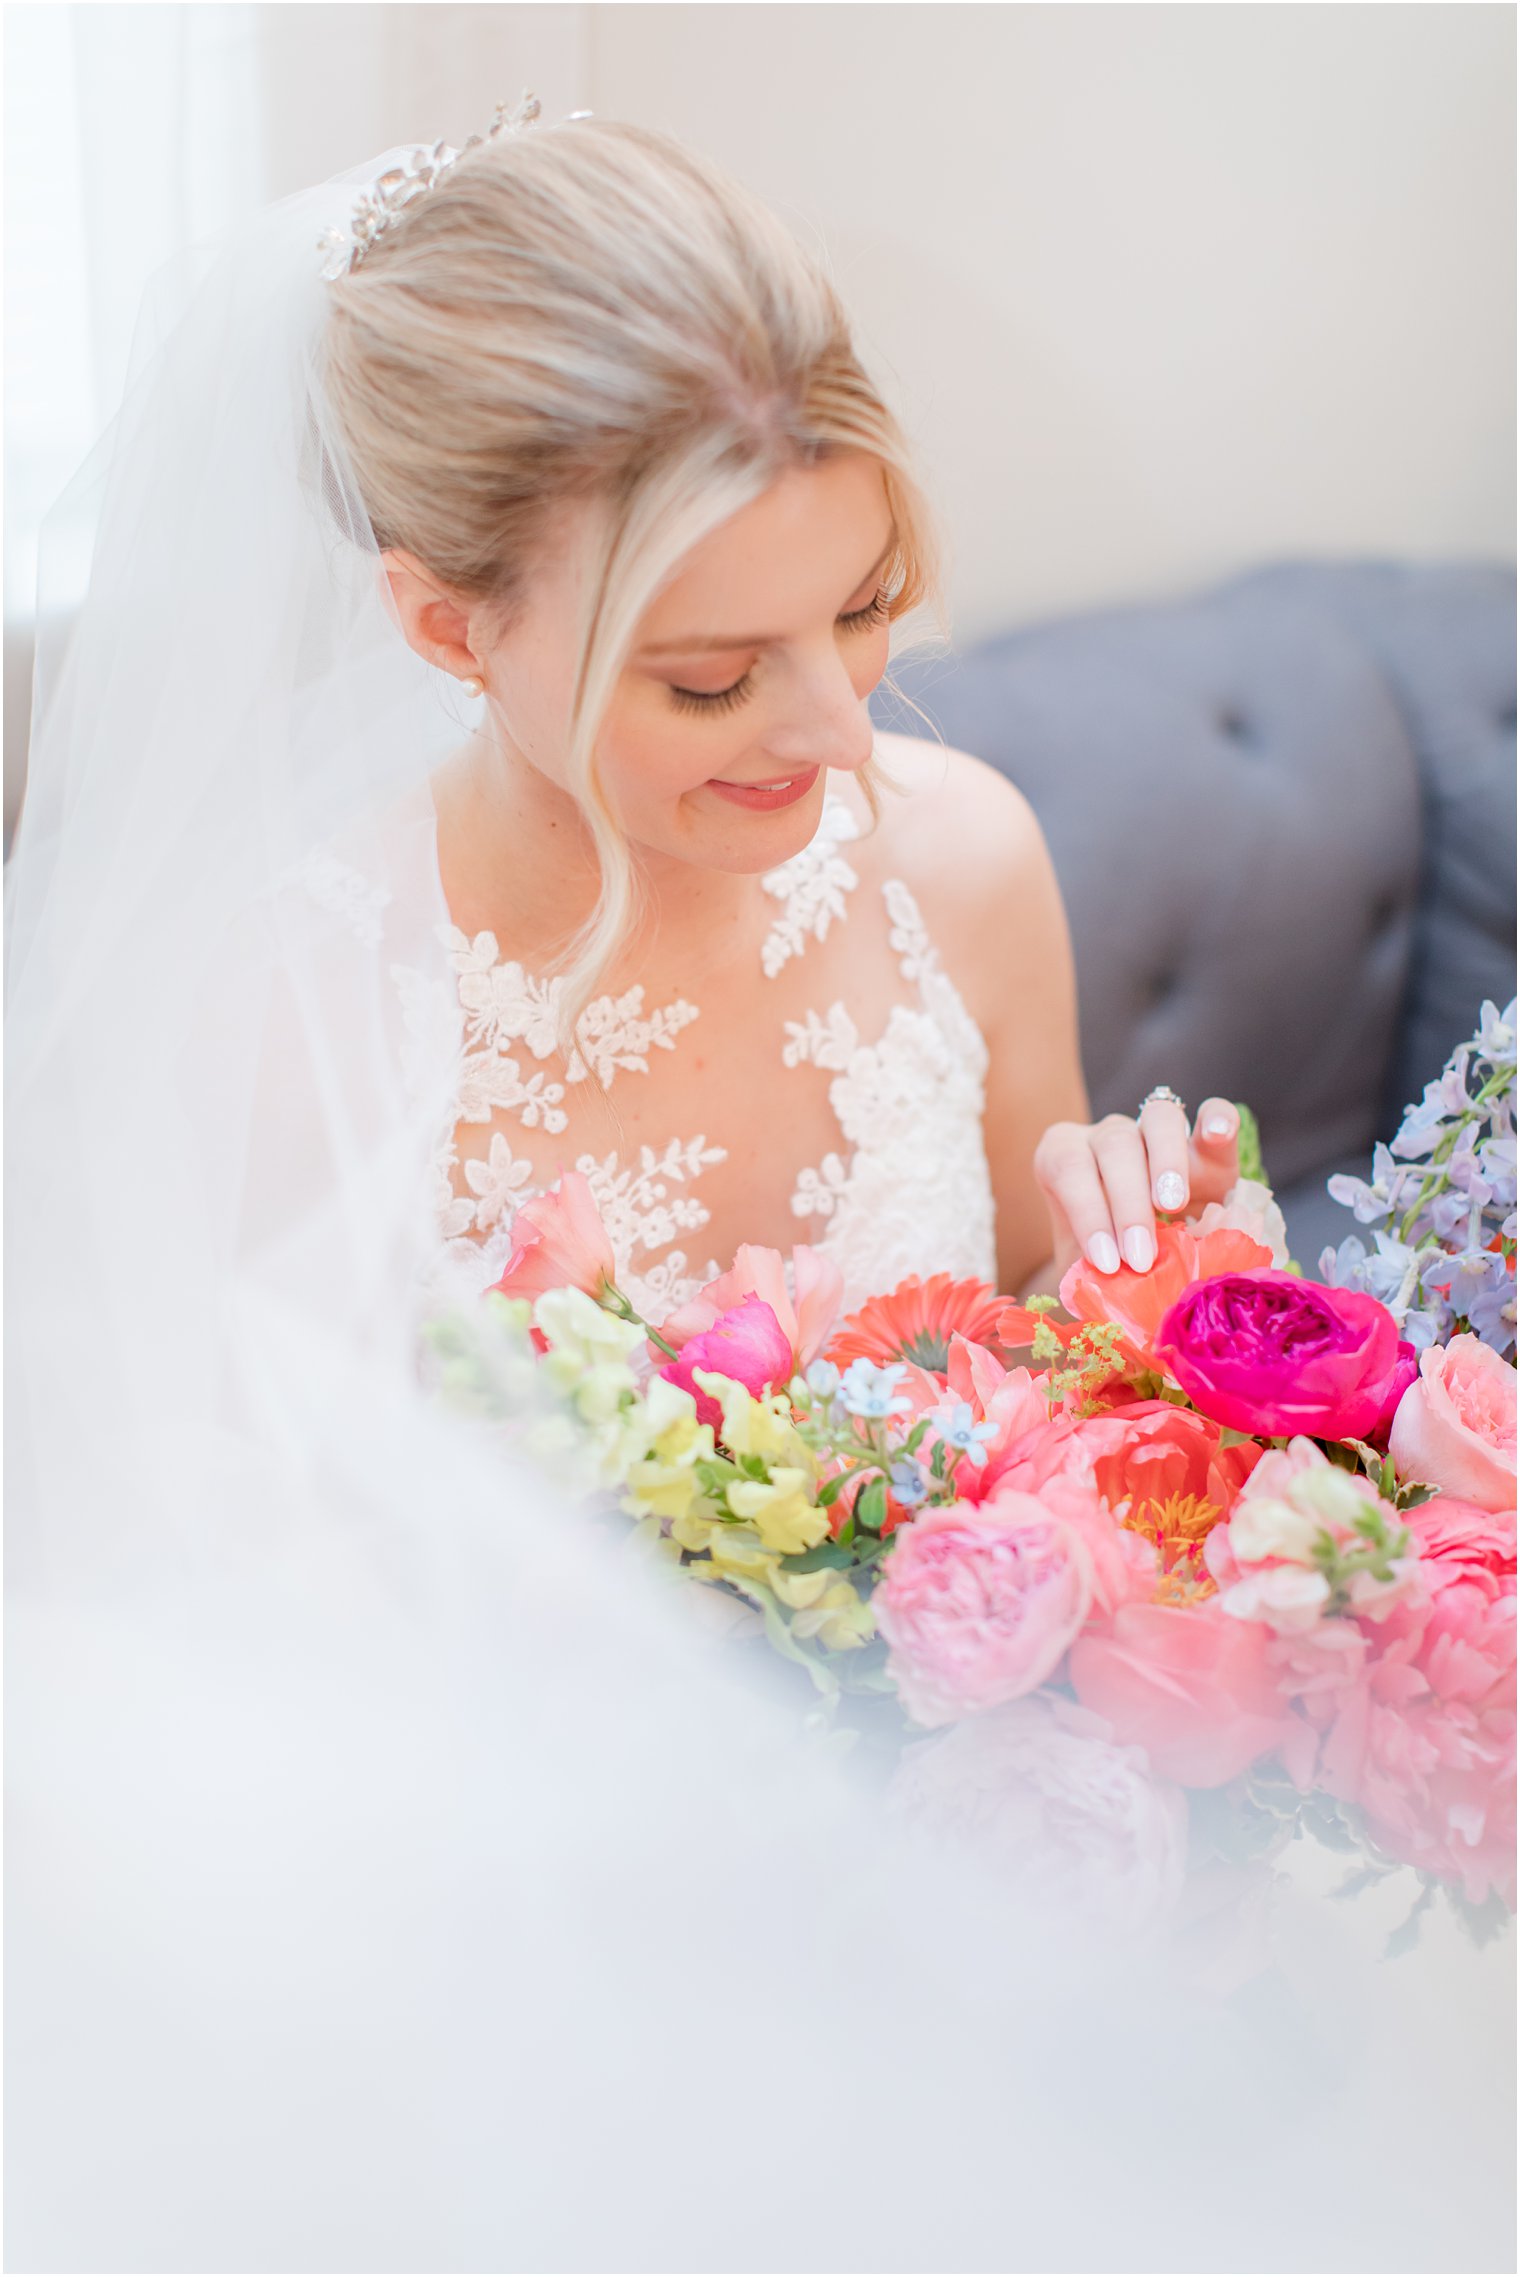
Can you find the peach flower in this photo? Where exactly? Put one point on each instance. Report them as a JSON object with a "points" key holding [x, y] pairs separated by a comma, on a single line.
{"points": [[1455, 1426], [561, 1243]]}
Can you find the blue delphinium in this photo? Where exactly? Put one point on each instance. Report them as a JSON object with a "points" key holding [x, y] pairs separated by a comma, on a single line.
{"points": [[1441, 1202]]}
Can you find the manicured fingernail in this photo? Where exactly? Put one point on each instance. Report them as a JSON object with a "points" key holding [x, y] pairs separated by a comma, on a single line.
{"points": [[1140, 1248], [1171, 1191], [1219, 1126], [1104, 1252]]}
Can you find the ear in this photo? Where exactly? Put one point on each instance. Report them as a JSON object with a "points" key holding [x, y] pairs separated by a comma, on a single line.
{"points": [[433, 621]]}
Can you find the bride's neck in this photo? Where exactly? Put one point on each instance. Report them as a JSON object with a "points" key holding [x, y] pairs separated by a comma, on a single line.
{"points": [[517, 859]]}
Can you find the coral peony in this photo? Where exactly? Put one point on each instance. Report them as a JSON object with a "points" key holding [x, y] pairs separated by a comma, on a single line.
{"points": [[979, 1606], [1455, 1426], [1194, 1688], [561, 1243], [747, 1344], [1266, 1352], [806, 1316], [918, 1321], [1167, 1465], [1068, 1819]]}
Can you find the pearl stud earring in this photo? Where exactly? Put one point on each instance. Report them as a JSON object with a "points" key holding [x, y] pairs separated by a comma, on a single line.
{"points": [[472, 686]]}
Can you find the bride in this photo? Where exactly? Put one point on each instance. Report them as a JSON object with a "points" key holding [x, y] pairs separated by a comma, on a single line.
{"points": [[324, 1726], [762, 972]]}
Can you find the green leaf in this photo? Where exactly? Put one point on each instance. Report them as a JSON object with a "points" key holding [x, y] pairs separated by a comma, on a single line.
{"points": [[871, 1506], [1230, 1437], [827, 1556], [915, 1438], [1248, 1151]]}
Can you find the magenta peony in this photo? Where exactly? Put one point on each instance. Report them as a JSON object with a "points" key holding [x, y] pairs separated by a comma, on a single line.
{"points": [[1067, 1818], [979, 1605], [747, 1344], [1271, 1354], [1455, 1426]]}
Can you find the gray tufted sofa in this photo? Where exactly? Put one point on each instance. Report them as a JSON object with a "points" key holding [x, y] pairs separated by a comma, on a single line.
{"points": [[1283, 816]]}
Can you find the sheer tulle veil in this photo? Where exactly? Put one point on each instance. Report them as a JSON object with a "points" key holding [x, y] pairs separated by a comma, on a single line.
{"points": [[399, 1878]]}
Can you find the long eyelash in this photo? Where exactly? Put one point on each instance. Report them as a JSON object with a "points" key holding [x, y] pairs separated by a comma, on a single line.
{"points": [[876, 612], [724, 700]]}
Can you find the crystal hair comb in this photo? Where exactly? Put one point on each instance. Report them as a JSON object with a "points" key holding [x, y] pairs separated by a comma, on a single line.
{"points": [[401, 186]]}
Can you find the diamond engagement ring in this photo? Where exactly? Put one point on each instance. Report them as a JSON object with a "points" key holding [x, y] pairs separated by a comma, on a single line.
{"points": [[1162, 1091]]}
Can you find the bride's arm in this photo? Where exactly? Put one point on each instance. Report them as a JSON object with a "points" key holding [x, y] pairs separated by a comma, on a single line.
{"points": [[1034, 1076]]}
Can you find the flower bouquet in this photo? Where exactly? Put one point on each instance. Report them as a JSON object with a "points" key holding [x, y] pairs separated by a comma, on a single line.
{"points": [[1209, 1556]]}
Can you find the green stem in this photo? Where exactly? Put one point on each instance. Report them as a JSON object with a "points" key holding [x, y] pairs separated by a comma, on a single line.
{"points": [[613, 1300]]}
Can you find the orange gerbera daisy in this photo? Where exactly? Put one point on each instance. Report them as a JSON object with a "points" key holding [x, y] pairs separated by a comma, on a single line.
{"points": [[916, 1320]]}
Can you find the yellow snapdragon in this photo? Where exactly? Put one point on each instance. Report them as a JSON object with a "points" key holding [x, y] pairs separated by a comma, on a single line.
{"points": [[781, 1509], [826, 1606]]}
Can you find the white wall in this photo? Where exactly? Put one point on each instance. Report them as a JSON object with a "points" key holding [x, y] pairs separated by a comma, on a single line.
{"points": [[1162, 290]]}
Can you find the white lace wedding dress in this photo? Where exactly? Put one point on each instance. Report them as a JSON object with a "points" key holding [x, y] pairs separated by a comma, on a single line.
{"points": [[904, 1189]]}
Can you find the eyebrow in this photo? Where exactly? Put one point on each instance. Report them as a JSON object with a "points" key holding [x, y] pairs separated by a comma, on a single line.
{"points": [[700, 647]]}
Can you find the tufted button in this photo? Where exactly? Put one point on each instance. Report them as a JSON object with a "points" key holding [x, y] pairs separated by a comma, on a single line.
{"points": [[1507, 718], [1158, 991], [1386, 913], [1233, 724]]}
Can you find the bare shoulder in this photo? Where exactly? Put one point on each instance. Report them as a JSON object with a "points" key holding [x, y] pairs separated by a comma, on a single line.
{"points": [[958, 833]]}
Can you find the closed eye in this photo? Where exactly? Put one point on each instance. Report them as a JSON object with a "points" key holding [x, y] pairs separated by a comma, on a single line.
{"points": [[876, 612]]}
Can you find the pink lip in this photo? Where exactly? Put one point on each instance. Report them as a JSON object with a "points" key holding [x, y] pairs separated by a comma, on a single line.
{"points": [[764, 798]]}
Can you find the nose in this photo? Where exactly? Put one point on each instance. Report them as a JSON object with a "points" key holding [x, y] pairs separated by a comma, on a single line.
{"points": [[826, 723]]}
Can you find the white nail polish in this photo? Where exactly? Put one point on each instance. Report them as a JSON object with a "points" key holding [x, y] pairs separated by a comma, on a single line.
{"points": [[1139, 1249], [1171, 1191], [1218, 1126], [1104, 1252]]}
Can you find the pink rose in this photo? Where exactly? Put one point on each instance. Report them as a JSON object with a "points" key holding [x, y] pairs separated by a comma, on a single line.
{"points": [[1268, 1353], [1190, 1685], [756, 1272], [1455, 1426], [979, 1605], [747, 1344], [1073, 1821], [1458, 1539], [561, 1243]]}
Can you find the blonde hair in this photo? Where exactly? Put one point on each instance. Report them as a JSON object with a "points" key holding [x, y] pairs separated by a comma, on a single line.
{"points": [[590, 311]]}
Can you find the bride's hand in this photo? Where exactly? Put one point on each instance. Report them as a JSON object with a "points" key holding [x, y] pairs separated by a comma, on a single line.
{"points": [[1105, 1182]]}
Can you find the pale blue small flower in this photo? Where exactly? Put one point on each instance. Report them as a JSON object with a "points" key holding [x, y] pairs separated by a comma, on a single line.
{"points": [[959, 1429], [871, 1392], [909, 1482], [822, 1379]]}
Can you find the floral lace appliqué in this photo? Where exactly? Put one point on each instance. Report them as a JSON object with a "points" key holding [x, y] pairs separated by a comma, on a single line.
{"points": [[915, 1193], [811, 888]]}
